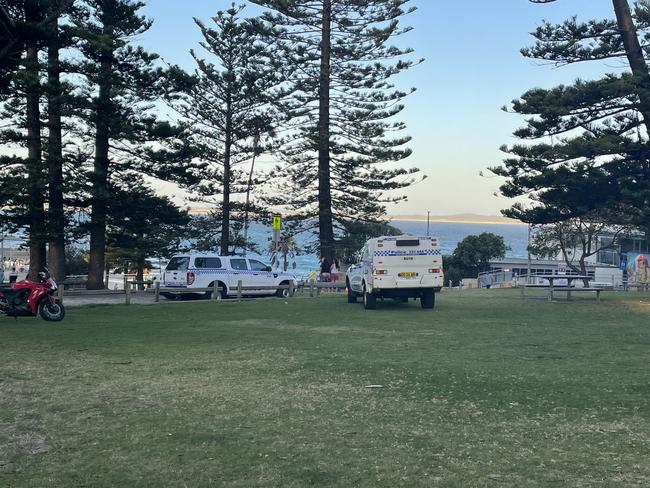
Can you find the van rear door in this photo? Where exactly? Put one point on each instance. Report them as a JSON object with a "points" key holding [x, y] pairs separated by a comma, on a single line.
{"points": [[175, 274], [408, 260]]}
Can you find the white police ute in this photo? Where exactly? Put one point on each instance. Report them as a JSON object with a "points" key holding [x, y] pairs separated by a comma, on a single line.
{"points": [[399, 267], [201, 270]]}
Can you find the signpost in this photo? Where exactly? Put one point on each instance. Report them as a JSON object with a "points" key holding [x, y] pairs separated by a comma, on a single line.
{"points": [[277, 222], [277, 228]]}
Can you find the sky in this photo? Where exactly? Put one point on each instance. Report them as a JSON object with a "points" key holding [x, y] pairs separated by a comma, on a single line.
{"points": [[472, 68]]}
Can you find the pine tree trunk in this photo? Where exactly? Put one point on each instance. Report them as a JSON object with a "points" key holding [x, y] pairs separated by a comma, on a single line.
{"points": [[100, 192], [325, 220], [248, 195], [635, 56], [636, 59], [225, 204], [56, 257], [36, 204], [139, 274]]}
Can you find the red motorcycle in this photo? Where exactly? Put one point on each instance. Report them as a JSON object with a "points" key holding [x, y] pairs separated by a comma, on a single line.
{"points": [[32, 298]]}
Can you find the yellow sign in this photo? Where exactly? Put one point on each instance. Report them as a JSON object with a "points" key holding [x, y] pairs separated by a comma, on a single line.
{"points": [[277, 222]]}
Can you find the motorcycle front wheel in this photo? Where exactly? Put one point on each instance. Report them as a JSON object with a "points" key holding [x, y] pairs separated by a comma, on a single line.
{"points": [[51, 312]]}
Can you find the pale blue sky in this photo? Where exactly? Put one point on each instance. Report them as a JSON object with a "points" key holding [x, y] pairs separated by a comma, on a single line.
{"points": [[473, 67]]}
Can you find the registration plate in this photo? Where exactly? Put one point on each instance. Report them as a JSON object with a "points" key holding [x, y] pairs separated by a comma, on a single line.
{"points": [[408, 275]]}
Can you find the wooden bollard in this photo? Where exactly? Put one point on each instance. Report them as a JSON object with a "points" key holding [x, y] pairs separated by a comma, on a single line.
{"points": [[239, 290], [157, 289], [59, 293], [127, 293], [291, 289], [215, 291]]}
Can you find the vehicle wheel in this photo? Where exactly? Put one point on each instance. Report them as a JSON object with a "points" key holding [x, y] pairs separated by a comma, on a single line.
{"points": [[222, 291], [208, 294], [283, 292], [369, 300], [51, 312], [169, 296], [352, 297], [428, 299]]}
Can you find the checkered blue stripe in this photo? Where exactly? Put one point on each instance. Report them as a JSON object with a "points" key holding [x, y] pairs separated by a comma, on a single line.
{"points": [[419, 252], [200, 272]]}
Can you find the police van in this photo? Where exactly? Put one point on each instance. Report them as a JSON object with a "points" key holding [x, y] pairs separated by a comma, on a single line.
{"points": [[399, 267], [201, 270]]}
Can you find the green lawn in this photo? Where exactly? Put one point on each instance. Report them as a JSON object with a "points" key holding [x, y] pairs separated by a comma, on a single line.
{"points": [[487, 390]]}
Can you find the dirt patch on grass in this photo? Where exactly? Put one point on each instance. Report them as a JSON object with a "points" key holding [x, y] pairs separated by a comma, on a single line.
{"points": [[641, 306], [22, 434]]}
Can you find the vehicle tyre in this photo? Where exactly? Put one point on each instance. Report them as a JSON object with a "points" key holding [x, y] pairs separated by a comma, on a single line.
{"points": [[169, 296], [403, 299], [369, 300], [428, 299], [283, 292], [222, 291], [51, 312], [208, 294], [352, 297]]}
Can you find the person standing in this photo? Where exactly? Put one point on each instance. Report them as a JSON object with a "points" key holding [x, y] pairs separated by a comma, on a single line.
{"points": [[334, 270], [325, 269]]}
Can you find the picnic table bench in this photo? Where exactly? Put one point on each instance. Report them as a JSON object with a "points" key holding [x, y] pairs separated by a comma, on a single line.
{"points": [[568, 288]]}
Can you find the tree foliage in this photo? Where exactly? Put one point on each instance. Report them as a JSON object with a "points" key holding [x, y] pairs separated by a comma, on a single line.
{"points": [[585, 145], [340, 62], [577, 239], [229, 109], [473, 255], [122, 84], [142, 224]]}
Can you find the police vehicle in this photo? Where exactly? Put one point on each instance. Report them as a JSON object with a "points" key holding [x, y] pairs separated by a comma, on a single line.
{"points": [[201, 270], [399, 267]]}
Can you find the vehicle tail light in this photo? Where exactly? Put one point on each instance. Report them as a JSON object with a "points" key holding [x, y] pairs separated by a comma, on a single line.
{"points": [[190, 278], [381, 272], [434, 271]]}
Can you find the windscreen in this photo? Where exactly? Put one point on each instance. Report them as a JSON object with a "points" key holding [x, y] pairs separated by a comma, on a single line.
{"points": [[407, 242]]}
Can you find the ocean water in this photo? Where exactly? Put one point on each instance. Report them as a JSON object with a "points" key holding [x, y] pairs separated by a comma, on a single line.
{"points": [[449, 234]]}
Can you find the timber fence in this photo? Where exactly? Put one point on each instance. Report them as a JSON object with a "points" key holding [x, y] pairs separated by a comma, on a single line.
{"points": [[302, 289]]}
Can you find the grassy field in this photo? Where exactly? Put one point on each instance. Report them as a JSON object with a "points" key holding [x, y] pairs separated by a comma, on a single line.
{"points": [[487, 390]]}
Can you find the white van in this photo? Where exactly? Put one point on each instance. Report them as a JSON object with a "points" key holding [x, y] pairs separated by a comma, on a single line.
{"points": [[399, 267], [201, 270]]}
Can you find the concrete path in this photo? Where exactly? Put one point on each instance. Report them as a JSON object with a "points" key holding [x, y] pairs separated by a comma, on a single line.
{"points": [[143, 298]]}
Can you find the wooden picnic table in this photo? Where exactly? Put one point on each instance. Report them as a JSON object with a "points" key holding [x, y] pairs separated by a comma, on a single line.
{"points": [[568, 288]]}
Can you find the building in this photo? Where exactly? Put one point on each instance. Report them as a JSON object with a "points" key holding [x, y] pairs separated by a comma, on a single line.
{"points": [[627, 262]]}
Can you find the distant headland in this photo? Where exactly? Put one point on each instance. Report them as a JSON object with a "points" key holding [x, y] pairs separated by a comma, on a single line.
{"points": [[464, 218]]}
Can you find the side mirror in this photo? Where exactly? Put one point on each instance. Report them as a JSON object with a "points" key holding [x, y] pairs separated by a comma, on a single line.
{"points": [[268, 269]]}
